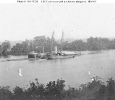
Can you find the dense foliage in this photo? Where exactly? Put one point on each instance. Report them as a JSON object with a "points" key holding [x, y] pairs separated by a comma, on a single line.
{"points": [[39, 42], [54, 90], [5, 48]]}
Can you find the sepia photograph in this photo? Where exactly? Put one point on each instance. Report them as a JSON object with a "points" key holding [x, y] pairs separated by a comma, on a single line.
{"points": [[57, 50]]}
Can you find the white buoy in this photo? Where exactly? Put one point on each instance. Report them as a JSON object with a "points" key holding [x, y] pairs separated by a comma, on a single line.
{"points": [[20, 74], [89, 72], [92, 79]]}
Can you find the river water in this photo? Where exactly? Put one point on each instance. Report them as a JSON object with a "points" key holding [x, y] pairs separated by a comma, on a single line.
{"points": [[74, 71]]}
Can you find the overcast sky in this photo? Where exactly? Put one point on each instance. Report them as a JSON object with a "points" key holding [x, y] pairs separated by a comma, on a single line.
{"points": [[25, 21]]}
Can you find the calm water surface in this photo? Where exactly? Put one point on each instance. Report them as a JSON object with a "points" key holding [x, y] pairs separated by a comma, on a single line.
{"points": [[74, 71]]}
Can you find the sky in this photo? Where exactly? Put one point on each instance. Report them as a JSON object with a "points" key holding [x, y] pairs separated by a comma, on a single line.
{"points": [[78, 21]]}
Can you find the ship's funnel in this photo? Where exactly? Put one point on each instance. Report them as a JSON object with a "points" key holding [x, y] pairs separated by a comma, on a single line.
{"points": [[55, 49]]}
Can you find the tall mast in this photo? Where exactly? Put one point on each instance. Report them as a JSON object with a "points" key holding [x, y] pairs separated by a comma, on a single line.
{"points": [[43, 49], [52, 42], [62, 40]]}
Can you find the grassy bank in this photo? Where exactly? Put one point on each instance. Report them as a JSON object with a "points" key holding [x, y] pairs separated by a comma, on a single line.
{"points": [[54, 90]]}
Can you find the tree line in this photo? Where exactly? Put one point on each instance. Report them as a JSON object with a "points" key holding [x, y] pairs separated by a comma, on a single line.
{"points": [[38, 42], [54, 90]]}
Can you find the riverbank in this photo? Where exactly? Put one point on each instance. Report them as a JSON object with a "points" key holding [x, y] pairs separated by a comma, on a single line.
{"points": [[25, 57], [42, 56], [54, 90]]}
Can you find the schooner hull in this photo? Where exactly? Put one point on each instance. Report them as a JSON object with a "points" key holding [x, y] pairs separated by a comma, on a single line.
{"points": [[60, 57]]}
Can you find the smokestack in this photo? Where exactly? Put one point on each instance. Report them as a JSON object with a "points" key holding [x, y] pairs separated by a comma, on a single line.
{"points": [[55, 49]]}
